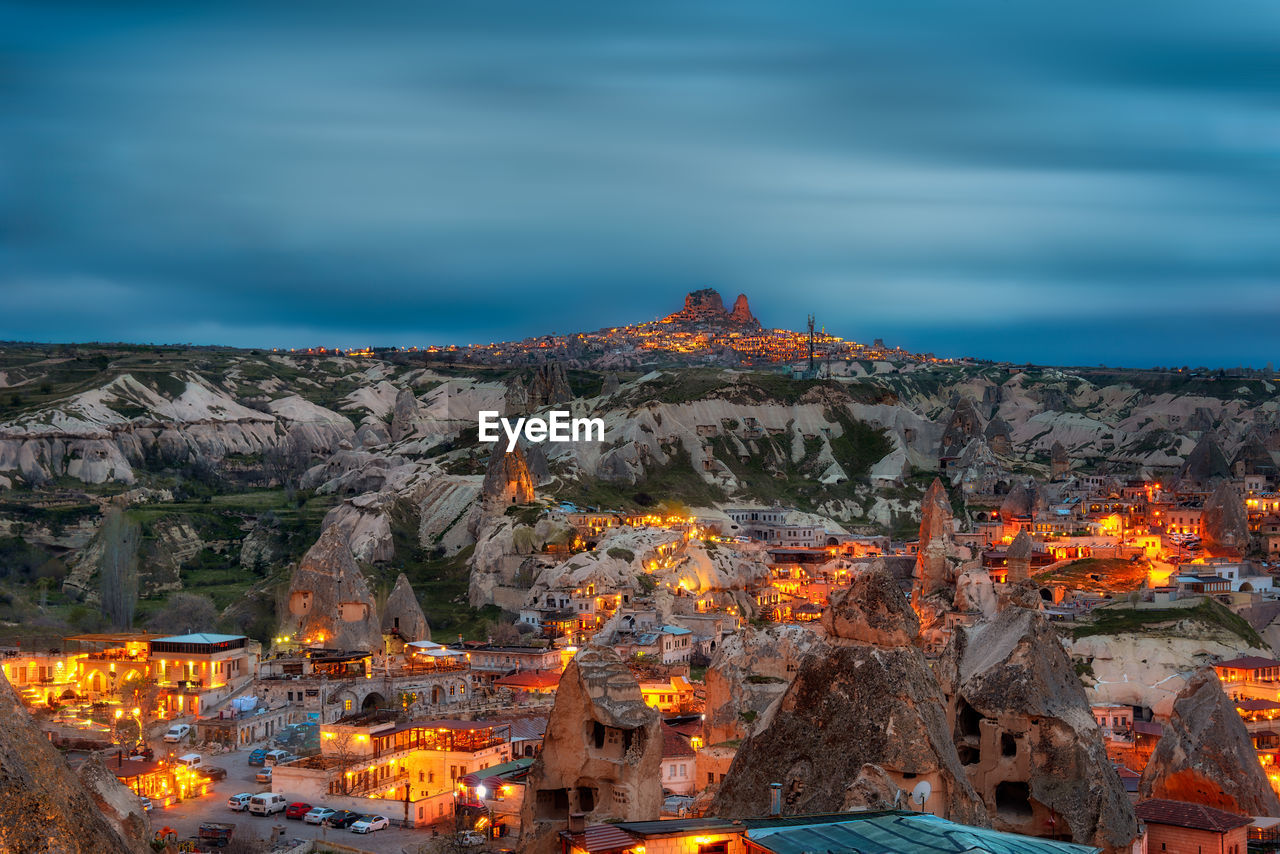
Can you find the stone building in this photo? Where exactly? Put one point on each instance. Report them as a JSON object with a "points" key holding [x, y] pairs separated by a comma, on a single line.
{"points": [[1026, 735], [602, 752]]}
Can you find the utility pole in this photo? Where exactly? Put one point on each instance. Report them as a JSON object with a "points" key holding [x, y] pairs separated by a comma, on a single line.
{"points": [[811, 367]]}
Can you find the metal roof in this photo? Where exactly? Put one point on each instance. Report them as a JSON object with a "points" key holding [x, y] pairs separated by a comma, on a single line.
{"points": [[199, 637], [900, 833]]}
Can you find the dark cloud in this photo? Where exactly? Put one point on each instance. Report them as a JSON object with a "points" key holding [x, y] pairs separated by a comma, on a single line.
{"points": [[1079, 183]]}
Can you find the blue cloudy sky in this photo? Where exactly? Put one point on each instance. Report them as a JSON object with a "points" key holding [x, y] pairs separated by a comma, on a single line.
{"points": [[1072, 182]]}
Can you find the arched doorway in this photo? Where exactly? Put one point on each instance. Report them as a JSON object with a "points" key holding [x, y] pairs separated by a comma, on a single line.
{"points": [[373, 702], [437, 695]]}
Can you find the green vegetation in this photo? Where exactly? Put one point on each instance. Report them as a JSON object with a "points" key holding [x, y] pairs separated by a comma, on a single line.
{"points": [[621, 554], [675, 481], [1164, 621]]}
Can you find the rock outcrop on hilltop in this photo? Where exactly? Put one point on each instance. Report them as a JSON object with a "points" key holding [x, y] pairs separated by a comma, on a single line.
{"points": [[1206, 756], [45, 808], [1226, 525], [1026, 735], [507, 479], [861, 724], [751, 670], [329, 601], [610, 384], [402, 615], [601, 755], [741, 313]]}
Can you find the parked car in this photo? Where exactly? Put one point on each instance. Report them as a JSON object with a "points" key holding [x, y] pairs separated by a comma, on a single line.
{"points": [[471, 837], [146, 803], [266, 803], [191, 760], [342, 818], [213, 772], [176, 733], [317, 815], [297, 809], [277, 757], [239, 802], [258, 757], [370, 823], [263, 776]]}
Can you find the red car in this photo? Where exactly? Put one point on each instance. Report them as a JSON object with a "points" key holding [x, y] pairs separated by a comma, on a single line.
{"points": [[297, 810]]}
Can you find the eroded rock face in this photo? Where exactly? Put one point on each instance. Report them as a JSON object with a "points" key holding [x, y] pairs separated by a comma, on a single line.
{"points": [[507, 480], [872, 611], [861, 723], [750, 671], [1206, 462], [602, 752], [741, 313], [118, 803], [1059, 462], [329, 602], [1025, 734], [934, 571], [1205, 755], [964, 424], [549, 386], [44, 807], [1226, 525], [402, 615]]}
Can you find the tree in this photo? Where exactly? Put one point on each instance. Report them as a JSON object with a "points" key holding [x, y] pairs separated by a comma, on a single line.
{"points": [[118, 576], [502, 634], [184, 613], [285, 462]]}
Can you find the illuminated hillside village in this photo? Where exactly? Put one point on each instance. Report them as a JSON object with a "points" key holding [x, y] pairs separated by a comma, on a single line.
{"points": [[790, 611], [703, 332]]}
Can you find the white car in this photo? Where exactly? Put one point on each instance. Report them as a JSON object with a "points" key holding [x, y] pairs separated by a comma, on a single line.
{"points": [[176, 733], [317, 815], [239, 802], [470, 837], [369, 823], [146, 803]]}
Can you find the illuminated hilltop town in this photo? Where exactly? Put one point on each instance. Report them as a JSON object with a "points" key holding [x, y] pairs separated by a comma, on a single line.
{"points": [[703, 332]]}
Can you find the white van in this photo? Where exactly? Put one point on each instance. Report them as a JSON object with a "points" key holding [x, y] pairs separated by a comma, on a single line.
{"points": [[176, 733], [276, 757], [266, 804], [191, 760]]}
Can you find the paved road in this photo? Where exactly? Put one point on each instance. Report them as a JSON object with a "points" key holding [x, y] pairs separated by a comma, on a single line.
{"points": [[185, 818]]}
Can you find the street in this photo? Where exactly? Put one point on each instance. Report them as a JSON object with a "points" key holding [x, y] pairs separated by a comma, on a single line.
{"points": [[185, 818]]}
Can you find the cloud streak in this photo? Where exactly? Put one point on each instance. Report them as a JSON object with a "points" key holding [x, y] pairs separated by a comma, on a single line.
{"points": [[275, 174]]}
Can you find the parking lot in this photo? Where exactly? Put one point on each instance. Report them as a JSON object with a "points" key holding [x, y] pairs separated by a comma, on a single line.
{"points": [[185, 818]]}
